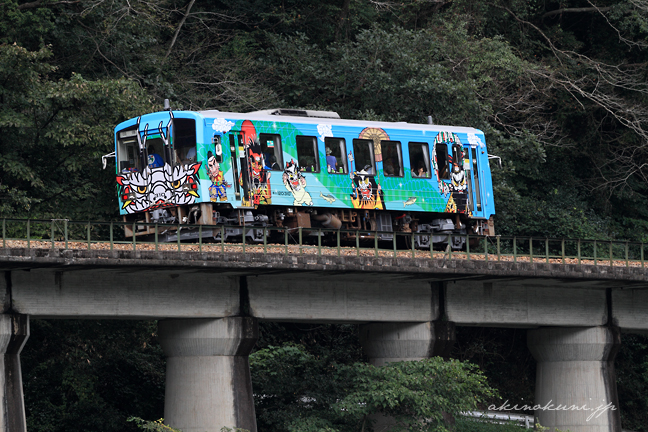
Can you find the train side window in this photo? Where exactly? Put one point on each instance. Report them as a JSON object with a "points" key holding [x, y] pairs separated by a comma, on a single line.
{"points": [[363, 153], [392, 158], [307, 153], [419, 160], [336, 157], [128, 159], [271, 149], [184, 135], [442, 160]]}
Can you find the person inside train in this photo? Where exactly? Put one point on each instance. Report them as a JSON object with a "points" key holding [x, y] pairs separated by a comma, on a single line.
{"points": [[331, 161], [154, 159], [420, 171]]}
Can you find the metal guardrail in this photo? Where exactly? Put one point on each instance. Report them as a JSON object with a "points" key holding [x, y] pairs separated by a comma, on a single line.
{"points": [[67, 234]]}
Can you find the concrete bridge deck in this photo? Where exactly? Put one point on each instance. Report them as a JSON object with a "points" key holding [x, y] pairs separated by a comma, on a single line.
{"points": [[209, 303]]}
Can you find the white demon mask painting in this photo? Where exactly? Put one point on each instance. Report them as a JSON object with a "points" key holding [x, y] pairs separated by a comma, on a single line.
{"points": [[159, 187]]}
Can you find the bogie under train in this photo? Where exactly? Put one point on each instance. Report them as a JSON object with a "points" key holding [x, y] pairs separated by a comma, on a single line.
{"points": [[297, 168]]}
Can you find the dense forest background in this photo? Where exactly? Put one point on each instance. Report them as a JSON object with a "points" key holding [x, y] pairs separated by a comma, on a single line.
{"points": [[558, 86]]}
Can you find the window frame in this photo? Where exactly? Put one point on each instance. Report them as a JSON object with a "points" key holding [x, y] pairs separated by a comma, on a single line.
{"points": [[314, 155], [399, 155], [372, 156], [340, 144], [425, 150], [277, 150]]}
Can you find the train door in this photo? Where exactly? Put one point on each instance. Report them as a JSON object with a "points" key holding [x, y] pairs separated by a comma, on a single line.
{"points": [[476, 180], [241, 184]]}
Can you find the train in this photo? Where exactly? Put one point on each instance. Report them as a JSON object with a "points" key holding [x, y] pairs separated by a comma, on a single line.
{"points": [[295, 168]]}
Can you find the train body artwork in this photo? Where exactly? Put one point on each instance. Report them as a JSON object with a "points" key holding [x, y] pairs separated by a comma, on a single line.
{"points": [[298, 168]]}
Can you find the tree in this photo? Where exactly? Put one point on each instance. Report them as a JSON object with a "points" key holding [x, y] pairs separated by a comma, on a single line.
{"points": [[53, 134], [297, 391]]}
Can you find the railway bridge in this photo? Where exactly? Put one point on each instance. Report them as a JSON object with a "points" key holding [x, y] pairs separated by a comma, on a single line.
{"points": [[208, 304]]}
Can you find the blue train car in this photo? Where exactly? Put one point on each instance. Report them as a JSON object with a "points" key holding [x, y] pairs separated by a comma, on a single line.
{"points": [[298, 168]]}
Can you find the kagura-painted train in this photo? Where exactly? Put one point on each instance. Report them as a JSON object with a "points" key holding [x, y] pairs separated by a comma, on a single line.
{"points": [[297, 168]]}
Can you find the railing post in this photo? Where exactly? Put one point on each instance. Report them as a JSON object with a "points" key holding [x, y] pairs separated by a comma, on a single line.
{"points": [[531, 249], [286, 240], [88, 235], [579, 251], [485, 248], [111, 235], [642, 255], [265, 239], [156, 236], [300, 239], [413, 253], [611, 254], [449, 247], [594, 252], [28, 234], [4, 232], [376, 243], [394, 243], [319, 242], [244, 235], [338, 242], [431, 246], [467, 247], [357, 243], [499, 252], [514, 249], [52, 232], [547, 248], [200, 238], [626, 251], [222, 238], [562, 250], [178, 237]]}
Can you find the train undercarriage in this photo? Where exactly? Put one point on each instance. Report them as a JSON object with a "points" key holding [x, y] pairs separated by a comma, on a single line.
{"points": [[221, 222]]}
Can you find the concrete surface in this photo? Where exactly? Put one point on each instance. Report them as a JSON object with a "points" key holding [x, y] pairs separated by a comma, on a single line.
{"points": [[576, 368], [208, 384], [341, 298], [14, 332], [526, 303]]}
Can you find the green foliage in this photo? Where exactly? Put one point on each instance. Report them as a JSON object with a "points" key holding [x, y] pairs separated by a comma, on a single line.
{"points": [[466, 424], [297, 391], [156, 426], [52, 137]]}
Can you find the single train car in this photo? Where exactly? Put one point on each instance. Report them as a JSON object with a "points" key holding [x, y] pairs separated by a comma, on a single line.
{"points": [[291, 168]]}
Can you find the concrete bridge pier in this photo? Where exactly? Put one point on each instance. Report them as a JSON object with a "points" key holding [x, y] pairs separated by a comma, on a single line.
{"points": [[393, 342], [208, 382], [14, 332], [575, 379]]}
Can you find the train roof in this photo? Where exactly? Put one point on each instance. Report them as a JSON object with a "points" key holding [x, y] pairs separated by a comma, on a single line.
{"points": [[329, 117]]}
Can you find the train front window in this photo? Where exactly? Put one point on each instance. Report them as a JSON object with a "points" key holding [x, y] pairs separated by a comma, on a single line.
{"points": [[419, 160], [184, 140], [128, 159], [155, 154], [363, 153], [272, 154], [336, 161], [307, 153], [392, 158]]}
